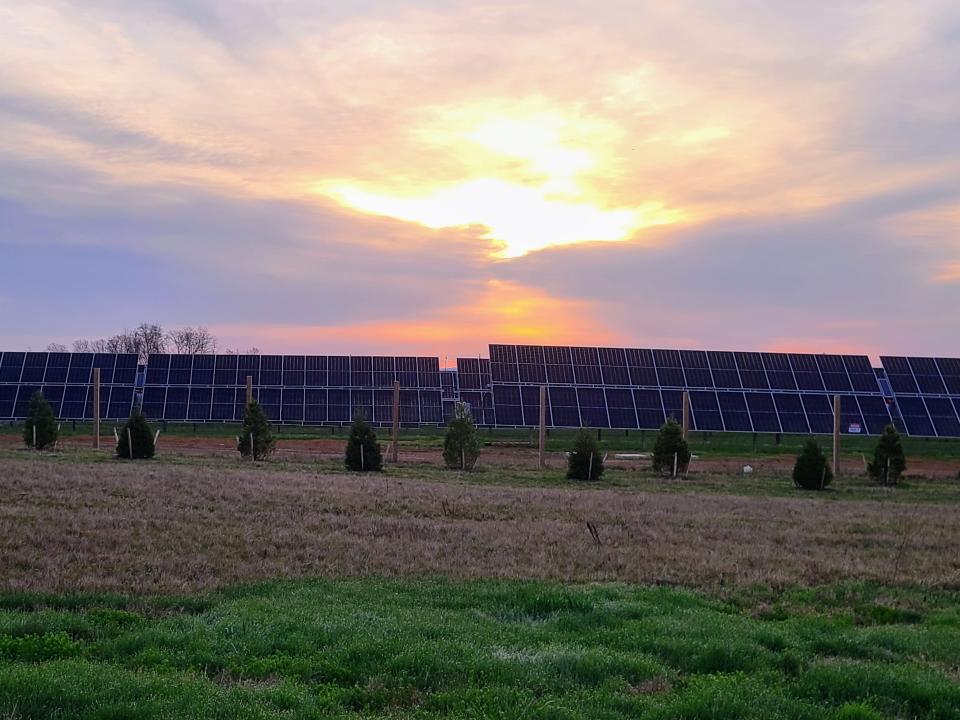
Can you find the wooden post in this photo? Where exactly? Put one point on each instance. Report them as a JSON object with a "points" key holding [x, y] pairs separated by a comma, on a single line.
{"points": [[396, 421], [686, 415], [836, 435], [543, 427], [96, 408], [249, 389]]}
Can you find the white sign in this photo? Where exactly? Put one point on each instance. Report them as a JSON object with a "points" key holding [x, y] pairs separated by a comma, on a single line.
{"points": [[854, 428]]}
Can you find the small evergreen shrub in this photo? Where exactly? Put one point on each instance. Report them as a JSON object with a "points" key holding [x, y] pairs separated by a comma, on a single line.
{"points": [[670, 443], [889, 461], [363, 451], [812, 471], [461, 447], [585, 461], [138, 432], [43, 420], [256, 427]]}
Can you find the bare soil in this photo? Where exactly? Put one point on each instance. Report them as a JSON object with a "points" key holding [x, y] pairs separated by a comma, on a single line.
{"points": [[179, 528]]}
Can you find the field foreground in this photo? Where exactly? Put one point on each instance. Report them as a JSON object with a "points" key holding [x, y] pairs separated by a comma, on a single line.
{"points": [[431, 649], [175, 528], [150, 590]]}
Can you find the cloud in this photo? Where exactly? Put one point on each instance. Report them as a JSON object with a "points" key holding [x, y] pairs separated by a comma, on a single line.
{"points": [[761, 174]]}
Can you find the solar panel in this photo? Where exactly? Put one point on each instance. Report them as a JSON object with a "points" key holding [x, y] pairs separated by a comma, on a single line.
{"points": [[531, 368], [752, 374], [621, 409], [649, 408], [806, 371], [586, 366], [834, 373], [8, 400], [593, 407], [696, 369], [950, 372], [669, 368], [34, 367], [943, 416], [225, 371], [613, 366], [779, 372], [58, 365], [793, 419], [723, 368], [11, 367], [705, 410], [763, 412], [202, 372], [733, 408]]}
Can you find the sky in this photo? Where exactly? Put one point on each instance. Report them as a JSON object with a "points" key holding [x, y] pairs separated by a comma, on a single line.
{"points": [[376, 176]]}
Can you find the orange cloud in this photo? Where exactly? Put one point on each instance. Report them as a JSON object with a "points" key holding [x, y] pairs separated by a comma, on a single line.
{"points": [[500, 312], [949, 274]]}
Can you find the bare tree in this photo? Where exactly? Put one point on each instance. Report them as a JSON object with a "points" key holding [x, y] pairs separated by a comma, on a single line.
{"points": [[56, 347], [193, 341], [253, 351], [146, 339]]}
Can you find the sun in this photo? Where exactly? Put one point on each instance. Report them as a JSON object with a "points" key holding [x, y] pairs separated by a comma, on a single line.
{"points": [[541, 205]]}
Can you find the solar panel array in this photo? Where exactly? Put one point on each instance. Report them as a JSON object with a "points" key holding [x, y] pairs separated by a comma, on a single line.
{"points": [[729, 391], [586, 387], [928, 394], [64, 379], [299, 389]]}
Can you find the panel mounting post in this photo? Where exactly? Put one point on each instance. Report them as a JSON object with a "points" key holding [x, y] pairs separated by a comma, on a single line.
{"points": [[249, 389], [836, 435], [396, 421], [543, 427], [96, 408]]}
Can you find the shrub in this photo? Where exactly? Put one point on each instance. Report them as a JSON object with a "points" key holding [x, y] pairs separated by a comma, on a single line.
{"points": [[585, 461], [43, 421], [889, 462], [363, 450], [811, 471], [138, 432], [256, 427], [670, 443], [461, 447]]}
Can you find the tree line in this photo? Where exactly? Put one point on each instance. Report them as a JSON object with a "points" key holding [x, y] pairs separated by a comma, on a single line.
{"points": [[149, 339]]}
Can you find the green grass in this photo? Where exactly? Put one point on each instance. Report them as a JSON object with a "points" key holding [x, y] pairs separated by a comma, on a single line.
{"points": [[913, 489], [439, 649], [707, 444]]}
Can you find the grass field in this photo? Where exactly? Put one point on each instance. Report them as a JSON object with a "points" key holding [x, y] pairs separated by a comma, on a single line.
{"points": [[441, 649], [200, 586], [708, 444]]}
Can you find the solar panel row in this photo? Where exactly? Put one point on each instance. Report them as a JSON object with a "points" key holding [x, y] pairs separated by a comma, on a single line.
{"points": [[923, 375], [635, 367], [711, 410], [69, 402], [294, 371], [68, 368], [290, 405]]}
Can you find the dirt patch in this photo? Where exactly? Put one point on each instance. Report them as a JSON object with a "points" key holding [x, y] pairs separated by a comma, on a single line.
{"points": [[179, 528]]}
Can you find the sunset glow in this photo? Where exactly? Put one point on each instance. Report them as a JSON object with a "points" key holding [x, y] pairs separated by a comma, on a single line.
{"points": [[423, 174]]}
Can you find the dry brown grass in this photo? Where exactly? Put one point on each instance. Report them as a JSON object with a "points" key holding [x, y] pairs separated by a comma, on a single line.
{"points": [[177, 528]]}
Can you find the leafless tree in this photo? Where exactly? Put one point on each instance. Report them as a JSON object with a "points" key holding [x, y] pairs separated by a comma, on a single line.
{"points": [[146, 339], [253, 351], [56, 347], [193, 341]]}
